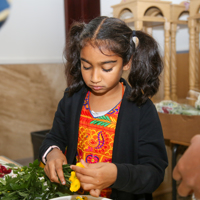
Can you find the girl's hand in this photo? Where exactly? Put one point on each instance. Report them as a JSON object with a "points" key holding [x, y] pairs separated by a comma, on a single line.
{"points": [[53, 167], [95, 177]]}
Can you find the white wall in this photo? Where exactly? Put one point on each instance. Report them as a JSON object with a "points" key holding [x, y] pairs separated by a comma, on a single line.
{"points": [[35, 33]]}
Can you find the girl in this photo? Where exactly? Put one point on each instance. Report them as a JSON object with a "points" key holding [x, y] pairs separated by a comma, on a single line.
{"points": [[111, 126]]}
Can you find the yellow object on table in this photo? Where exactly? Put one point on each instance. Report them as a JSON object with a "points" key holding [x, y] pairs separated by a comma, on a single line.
{"points": [[41, 165]]}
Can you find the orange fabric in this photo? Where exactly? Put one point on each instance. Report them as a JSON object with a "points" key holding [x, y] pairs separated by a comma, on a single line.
{"points": [[96, 136]]}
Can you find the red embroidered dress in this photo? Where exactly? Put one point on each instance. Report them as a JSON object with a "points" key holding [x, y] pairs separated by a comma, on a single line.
{"points": [[96, 136]]}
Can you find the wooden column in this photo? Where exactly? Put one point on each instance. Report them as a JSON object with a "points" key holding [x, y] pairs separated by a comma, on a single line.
{"points": [[167, 62], [192, 54], [148, 30], [80, 10], [138, 25], [197, 57], [173, 62]]}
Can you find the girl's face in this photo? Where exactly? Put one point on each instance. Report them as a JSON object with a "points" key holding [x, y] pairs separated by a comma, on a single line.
{"points": [[101, 73]]}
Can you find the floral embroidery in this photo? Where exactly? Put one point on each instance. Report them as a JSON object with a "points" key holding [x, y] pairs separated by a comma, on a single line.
{"points": [[104, 121], [96, 136], [92, 159]]}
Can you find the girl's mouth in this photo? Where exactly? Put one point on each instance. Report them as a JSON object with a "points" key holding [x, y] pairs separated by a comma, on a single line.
{"points": [[96, 87]]}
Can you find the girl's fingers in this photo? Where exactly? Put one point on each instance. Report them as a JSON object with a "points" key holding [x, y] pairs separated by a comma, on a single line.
{"points": [[92, 188], [87, 179], [61, 175], [84, 171], [65, 162], [51, 173], [84, 163], [55, 171], [95, 192], [87, 186], [59, 171]]}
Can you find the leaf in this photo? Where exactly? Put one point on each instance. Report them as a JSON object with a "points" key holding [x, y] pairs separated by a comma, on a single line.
{"points": [[104, 117], [10, 165], [108, 118], [34, 164], [100, 123], [9, 196], [2, 181], [32, 183], [60, 194], [23, 194]]}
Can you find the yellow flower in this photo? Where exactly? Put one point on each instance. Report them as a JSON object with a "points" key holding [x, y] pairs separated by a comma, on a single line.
{"points": [[79, 198], [79, 164], [73, 176], [85, 198], [75, 185]]}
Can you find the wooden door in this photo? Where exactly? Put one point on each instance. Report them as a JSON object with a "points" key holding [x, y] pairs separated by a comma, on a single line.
{"points": [[80, 10]]}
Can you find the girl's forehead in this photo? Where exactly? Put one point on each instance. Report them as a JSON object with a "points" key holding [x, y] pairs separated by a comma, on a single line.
{"points": [[92, 54], [102, 47]]}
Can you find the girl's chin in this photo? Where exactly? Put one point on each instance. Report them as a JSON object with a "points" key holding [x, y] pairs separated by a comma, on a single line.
{"points": [[97, 92]]}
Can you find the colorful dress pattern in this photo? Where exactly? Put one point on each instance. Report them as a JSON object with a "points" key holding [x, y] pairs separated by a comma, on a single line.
{"points": [[96, 136]]}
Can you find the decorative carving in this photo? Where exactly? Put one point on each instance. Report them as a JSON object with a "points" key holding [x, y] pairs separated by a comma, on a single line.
{"points": [[167, 62], [192, 55], [197, 57], [173, 62], [147, 14]]}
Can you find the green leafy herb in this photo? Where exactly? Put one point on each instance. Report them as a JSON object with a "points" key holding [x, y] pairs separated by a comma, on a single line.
{"points": [[31, 183]]}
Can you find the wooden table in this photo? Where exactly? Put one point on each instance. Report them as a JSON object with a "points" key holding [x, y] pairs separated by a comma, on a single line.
{"points": [[180, 128], [7, 160]]}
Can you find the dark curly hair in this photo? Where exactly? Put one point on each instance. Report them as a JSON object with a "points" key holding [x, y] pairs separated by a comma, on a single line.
{"points": [[116, 36]]}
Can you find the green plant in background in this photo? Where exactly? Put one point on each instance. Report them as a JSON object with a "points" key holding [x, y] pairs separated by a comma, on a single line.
{"points": [[31, 183]]}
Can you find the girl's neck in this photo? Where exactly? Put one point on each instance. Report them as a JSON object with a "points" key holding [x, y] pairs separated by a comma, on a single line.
{"points": [[106, 101]]}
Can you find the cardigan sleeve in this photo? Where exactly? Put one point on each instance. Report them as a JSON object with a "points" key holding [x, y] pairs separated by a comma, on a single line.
{"points": [[57, 135], [148, 174]]}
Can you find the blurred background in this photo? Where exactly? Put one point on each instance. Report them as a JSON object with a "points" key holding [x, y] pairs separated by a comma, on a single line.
{"points": [[32, 80]]}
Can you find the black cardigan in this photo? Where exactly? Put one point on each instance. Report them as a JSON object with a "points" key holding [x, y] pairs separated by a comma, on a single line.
{"points": [[139, 149]]}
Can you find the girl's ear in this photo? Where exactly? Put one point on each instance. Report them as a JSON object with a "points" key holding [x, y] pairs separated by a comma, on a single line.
{"points": [[127, 66]]}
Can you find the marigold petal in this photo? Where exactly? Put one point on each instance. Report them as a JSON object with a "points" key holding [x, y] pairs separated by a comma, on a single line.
{"points": [[73, 176], [75, 185], [79, 164]]}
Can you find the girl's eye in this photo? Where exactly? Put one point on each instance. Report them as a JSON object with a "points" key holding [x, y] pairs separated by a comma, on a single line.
{"points": [[107, 70], [86, 68]]}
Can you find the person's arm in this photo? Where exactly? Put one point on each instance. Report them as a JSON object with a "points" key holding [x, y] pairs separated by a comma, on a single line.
{"points": [[187, 169], [57, 137], [53, 168]]}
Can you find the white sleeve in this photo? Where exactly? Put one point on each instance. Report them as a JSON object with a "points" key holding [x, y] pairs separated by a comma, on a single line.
{"points": [[47, 151]]}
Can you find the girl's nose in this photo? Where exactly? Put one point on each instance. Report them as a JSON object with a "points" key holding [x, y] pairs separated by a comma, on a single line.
{"points": [[95, 77]]}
